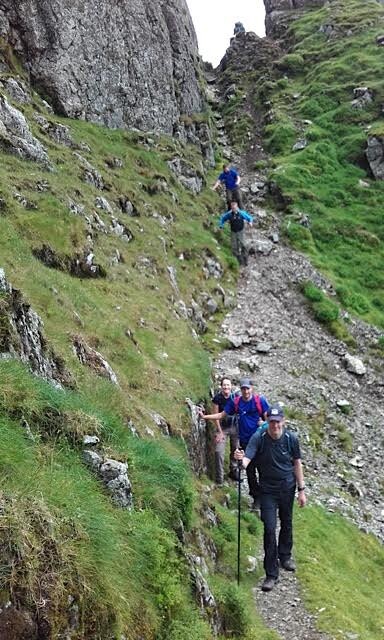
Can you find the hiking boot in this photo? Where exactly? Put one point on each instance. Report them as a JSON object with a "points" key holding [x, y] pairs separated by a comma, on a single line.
{"points": [[269, 583], [288, 565]]}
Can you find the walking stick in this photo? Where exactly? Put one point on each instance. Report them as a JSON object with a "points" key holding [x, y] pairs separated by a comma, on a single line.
{"points": [[239, 467], [238, 519]]}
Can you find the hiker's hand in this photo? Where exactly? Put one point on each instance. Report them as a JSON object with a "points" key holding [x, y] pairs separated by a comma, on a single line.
{"points": [[301, 499], [219, 437], [200, 412], [239, 454], [250, 224]]}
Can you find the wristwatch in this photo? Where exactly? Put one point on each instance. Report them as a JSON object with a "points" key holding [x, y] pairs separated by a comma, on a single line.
{"points": [[300, 488]]}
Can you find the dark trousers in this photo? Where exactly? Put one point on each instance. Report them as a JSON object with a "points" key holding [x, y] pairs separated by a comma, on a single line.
{"points": [[233, 195], [271, 504], [253, 483]]}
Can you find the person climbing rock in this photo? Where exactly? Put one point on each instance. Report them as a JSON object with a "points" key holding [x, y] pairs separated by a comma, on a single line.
{"points": [[236, 218], [231, 179], [276, 454], [225, 430], [251, 410]]}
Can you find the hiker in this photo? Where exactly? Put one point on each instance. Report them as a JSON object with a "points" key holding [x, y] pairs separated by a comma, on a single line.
{"points": [[231, 179], [239, 28], [225, 428], [251, 410], [236, 218], [276, 453]]}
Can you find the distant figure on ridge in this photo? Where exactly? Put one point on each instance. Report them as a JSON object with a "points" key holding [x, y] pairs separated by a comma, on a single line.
{"points": [[239, 28], [231, 179], [236, 218]]}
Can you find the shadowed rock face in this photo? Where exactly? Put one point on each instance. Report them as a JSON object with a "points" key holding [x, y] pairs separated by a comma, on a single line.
{"points": [[123, 63], [279, 13]]}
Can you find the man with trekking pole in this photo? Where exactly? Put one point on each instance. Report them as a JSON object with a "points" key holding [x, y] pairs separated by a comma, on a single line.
{"points": [[276, 454]]}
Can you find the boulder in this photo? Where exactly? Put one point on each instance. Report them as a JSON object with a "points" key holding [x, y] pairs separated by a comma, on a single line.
{"points": [[354, 365], [375, 156]]}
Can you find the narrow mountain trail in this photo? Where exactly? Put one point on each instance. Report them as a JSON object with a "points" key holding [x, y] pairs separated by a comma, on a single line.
{"points": [[275, 340]]}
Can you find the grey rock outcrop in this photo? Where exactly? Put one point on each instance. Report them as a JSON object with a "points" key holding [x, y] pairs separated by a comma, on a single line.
{"points": [[122, 64], [114, 475], [203, 593], [16, 136], [197, 441], [375, 156], [21, 336], [93, 359], [279, 13]]}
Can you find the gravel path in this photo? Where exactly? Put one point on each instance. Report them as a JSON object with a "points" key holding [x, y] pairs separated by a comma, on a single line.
{"points": [[275, 340]]}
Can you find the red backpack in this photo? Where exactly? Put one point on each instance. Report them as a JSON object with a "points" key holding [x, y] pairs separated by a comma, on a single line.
{"points": [[257, 400]]}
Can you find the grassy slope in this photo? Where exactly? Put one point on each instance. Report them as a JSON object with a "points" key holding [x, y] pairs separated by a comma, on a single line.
{"points": [[60, 534], [125, 571], [316, 84]]}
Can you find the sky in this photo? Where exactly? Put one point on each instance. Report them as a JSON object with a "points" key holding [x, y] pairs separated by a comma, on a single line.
{"points": [[214, 21]]}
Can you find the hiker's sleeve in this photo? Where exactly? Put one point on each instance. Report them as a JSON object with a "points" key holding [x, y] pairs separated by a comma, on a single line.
{"points": [[224, 219], [296, 453], [252, 446], [229, 407], [246, 216], [221, 177], [264, 404]]}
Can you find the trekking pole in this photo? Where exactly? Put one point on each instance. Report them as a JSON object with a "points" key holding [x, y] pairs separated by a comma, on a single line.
{"points": [[239, 465]]}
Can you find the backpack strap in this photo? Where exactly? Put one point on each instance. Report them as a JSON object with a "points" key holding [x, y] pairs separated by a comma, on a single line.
{"points": [[258, 405], [289, 443], [257, 402]]}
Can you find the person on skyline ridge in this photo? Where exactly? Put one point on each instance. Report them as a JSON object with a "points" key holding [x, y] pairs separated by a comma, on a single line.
{"points": [[237, 218], [231, 180]]}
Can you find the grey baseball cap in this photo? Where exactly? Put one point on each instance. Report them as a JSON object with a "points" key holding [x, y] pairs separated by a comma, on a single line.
{"points": [[275, 413], [245, 383]]}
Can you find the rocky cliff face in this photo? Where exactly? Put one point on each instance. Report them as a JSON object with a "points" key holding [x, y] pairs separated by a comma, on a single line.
{"points": [[124, 64], [279, 13]]}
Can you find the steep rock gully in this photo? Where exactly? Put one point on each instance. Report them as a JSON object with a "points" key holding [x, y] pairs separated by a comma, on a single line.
{"points": [[276, 341]]}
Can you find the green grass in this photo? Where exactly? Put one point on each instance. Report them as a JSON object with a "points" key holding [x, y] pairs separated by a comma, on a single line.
{"points": [[341, 571], [345, 239], [59, 523]]}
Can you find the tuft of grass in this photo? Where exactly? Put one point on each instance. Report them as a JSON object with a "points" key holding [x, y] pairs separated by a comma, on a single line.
{"points": [[331, 551]]}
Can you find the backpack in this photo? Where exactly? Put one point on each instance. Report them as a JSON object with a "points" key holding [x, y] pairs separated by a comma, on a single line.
{"points": [[257, 401], [236, 222]]}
